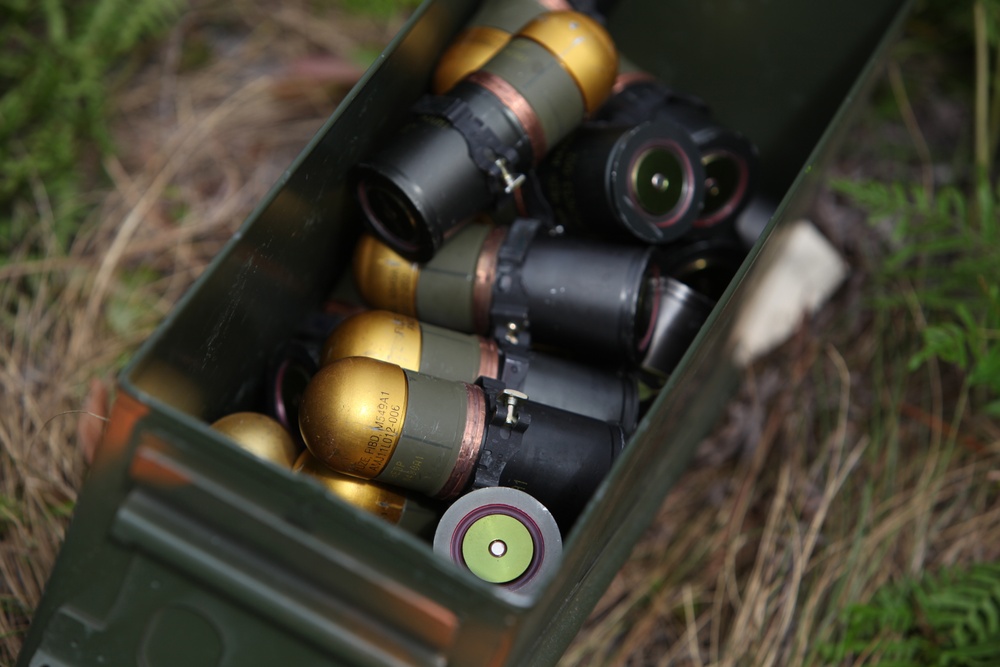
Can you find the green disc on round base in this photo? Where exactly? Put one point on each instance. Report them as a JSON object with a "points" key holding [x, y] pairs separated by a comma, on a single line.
{"points": [[498, 548], [659, 180], [503, 536]]}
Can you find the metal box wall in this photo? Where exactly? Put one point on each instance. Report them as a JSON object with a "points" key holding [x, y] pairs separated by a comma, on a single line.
{"points": [[185, 550]]}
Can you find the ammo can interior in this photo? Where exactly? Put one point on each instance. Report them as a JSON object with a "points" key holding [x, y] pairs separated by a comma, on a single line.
{"points": [[187, 550]]}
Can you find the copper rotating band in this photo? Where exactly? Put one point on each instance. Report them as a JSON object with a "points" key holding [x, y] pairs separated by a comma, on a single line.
{"points": [[518, 105], [626, 79], [472, 441], [489, 358], [486, 276]]}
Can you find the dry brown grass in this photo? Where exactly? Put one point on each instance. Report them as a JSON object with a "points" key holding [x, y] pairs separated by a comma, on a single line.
{"points": [[835, 471]]}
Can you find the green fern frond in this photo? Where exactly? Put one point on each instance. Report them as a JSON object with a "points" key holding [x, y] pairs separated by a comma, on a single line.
{"points": [[951, 619], [941, 254]]}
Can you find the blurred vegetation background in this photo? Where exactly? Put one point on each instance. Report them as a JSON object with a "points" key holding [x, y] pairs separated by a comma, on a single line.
{"points": [[847, 512]]}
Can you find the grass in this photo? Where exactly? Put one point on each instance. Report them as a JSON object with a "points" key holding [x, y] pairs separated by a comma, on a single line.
{"points": [[53, 110], [856, 460]]}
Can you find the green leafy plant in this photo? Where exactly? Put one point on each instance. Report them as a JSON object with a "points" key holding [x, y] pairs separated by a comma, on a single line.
{"points": [[54, 74], [942, 265], [946, 248], [951, 619], [953, 266]]}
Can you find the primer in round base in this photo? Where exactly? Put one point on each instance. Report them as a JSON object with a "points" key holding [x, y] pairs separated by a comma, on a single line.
{"points": [[501, 535]]}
